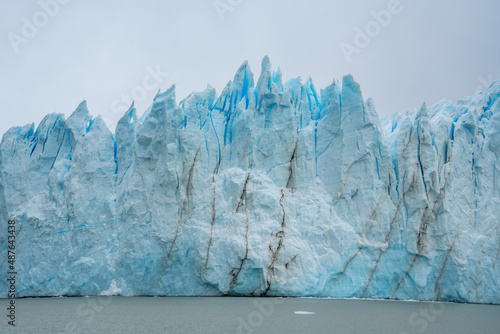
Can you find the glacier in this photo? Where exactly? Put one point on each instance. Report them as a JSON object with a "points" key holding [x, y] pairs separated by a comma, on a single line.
{"points": [[268, 189]]}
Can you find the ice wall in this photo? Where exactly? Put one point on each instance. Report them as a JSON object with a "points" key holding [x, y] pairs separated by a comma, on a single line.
{"points": [[268, 189]]}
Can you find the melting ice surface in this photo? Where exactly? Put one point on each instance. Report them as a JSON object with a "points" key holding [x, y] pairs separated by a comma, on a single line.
{"points": [[269, 189]]}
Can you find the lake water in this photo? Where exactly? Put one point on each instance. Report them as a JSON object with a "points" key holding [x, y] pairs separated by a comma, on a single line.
{"points": [[245, 315]]}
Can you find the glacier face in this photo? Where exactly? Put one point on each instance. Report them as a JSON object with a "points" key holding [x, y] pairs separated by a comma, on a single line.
{"points": [[268, 189]]}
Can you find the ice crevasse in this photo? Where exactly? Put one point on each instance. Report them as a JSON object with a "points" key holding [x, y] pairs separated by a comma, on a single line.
{"points": [[268, 189]]}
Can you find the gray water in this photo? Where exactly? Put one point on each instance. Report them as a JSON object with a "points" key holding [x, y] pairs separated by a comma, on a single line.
{"points": [[245, 315]]}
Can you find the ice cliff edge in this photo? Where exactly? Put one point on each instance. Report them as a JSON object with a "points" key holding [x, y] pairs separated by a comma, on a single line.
{"points": [[271, 189]]}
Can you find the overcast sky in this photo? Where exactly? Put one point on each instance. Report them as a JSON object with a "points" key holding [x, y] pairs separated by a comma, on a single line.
{"points": [[53, 56]]}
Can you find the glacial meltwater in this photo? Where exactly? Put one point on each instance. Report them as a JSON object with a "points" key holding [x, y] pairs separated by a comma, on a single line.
{"points": [[245, 315]]}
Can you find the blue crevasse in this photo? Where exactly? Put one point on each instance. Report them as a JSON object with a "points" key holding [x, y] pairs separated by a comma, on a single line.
{"points": [[269, 189]]}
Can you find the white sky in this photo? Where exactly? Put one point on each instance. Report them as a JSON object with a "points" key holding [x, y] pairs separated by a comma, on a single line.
{"points": [[101, 50]]}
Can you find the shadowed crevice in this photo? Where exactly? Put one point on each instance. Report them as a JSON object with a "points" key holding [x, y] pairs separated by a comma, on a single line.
{"points": [[404, 276], [214, 213], [289, 183], [346, 266], [437, 288], [372, 273], [212, 222], [241, 202], [280, 235], [184, 211], [236, 271], [291, 260]]}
